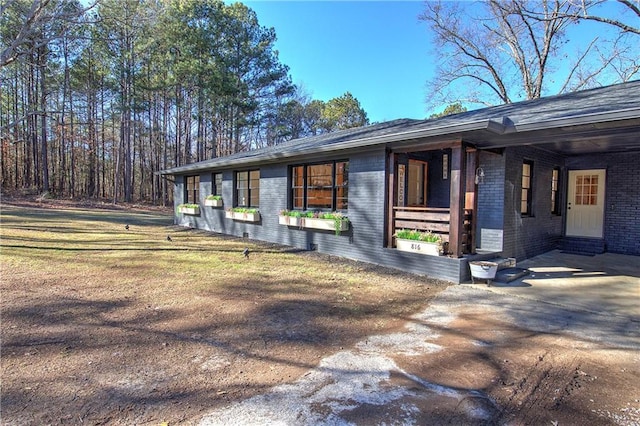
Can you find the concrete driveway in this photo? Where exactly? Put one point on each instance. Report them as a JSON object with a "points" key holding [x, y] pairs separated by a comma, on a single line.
{"points": [[392, 379], [604, 284]]}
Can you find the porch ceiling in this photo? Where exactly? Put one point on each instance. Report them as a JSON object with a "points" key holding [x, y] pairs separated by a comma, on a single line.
{"points": [[623, 136]]}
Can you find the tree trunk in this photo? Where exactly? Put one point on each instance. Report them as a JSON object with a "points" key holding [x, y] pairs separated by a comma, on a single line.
{"points": [[44, 163]]}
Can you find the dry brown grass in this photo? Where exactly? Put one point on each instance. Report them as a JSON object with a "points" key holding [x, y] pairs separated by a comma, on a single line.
{"points": [[106, 325]]}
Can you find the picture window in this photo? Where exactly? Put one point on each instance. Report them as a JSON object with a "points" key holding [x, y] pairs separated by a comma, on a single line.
{"points": [[322, 186]]}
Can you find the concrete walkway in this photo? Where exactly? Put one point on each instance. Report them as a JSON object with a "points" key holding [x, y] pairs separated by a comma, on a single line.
{"points": [[607, 284]]}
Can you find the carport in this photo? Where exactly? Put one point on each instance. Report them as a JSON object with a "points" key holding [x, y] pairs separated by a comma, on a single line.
{"points": [[606, 283]]}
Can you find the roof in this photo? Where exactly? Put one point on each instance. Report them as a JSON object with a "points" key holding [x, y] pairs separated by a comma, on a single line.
{"points": [[595, 120]]}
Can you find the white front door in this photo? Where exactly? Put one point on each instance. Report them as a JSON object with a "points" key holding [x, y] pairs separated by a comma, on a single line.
{"points": [[585, 203]]}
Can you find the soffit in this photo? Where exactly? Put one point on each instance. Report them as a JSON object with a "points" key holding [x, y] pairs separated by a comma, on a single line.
{"points": [[622, 136]]}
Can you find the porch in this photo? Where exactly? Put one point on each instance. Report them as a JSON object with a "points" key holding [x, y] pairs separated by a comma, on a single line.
{"points": [[437, 221], [433, 188]]}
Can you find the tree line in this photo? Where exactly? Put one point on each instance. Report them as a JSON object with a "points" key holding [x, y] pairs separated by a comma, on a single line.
{"points": [[95, 100]]}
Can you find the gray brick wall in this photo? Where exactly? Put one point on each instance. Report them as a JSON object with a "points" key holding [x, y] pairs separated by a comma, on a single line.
{"points": [[498, 209], [622, 198], [528, 236], [491, 190], [363, 241], [178, 197]]}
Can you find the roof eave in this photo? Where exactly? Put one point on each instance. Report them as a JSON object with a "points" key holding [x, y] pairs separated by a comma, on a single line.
{"points": [[484, 124], [498, 127], [593, 119]]}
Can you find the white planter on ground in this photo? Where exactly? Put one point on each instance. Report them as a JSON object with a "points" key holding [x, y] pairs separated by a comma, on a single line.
{"points": [[483, 270], [422, 247]]}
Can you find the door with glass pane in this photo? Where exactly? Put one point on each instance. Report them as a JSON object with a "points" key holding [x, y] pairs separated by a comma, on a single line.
{"points": [[417, 184], [585, 203]]}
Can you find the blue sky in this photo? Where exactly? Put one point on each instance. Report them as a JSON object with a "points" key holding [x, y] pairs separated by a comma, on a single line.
{"points": [[376, 50]]}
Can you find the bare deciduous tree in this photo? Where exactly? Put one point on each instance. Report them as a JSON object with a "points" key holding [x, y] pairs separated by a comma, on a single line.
{"points": [[497, 51], [591, 11], [617, 58], [24, 25]]}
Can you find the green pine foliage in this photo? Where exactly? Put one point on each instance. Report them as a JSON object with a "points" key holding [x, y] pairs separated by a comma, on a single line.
{"points": [[129, 88]]}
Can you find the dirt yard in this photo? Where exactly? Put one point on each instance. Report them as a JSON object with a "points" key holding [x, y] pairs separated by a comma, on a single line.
{"points": [[107, 325]]}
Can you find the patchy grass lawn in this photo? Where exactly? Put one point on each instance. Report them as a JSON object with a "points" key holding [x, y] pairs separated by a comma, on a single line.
{"points": [[101, 324]]}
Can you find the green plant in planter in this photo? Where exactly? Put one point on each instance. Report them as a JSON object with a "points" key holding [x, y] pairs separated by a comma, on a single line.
{"points": [[242, 210], [338, 218], [290, 213], [214, 197], [187, 206], [415, 235]]}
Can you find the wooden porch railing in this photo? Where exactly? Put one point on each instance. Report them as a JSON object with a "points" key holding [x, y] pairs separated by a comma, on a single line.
{"points": [[436, 220]]}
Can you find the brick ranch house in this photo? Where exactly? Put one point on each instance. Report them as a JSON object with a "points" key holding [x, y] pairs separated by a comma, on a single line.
{"points": [[516, 180]]}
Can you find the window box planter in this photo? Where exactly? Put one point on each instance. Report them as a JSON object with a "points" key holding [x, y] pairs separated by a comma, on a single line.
{"points": [[189, 209], [324, 224], [289, 220], [213, 202], [335, 221], [243, 216], [416, 246], [423, 242]]}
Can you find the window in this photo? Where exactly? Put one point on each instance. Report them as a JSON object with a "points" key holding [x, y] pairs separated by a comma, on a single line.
{"points": [[341, 186], [216, 184], [587, 190], [248, 188], [527, 194], [320, 186], [297, 187], [555, 191], [323, 186], [192, 189]]}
